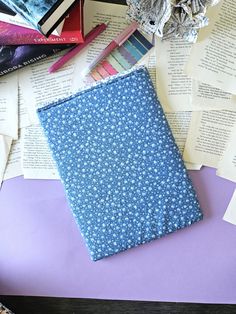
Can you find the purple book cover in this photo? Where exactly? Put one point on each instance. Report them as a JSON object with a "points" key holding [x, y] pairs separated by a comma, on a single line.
{"points": [[13, 58]]}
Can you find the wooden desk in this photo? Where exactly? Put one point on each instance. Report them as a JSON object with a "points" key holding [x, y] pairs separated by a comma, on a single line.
{"points": [[39, 305]]}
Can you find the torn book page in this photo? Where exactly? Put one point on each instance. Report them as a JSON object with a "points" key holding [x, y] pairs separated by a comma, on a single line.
{"points": [[9, 106], [24, 119], [37, 162], [230, 214], [208, 97], [174, 87], [150, 62], [38, 87], [212, 58], [179, 123], [227, 164], [208, 136]]}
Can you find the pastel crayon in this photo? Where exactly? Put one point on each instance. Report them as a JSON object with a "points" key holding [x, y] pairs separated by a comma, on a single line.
{"points": [[108, 67], [143, 40], [138, 45], [100, 69], [116, 65], [119, 58], [132, 50], [125, 53]]}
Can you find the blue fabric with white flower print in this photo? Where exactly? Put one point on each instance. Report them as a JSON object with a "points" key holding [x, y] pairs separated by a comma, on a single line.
{"points": [[122, 171]]}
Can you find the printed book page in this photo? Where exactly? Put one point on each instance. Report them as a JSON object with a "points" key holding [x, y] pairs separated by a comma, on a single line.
{"points": [[39, 88], [174, 87], [23, 116], [212, 58], [179, 121], [230, 214], [150, 62], [208, 136], [227, 164], [9, 106], [95, 13], [208, 97], [36, 159], [13, 168], [176, 90], [5, 145]]}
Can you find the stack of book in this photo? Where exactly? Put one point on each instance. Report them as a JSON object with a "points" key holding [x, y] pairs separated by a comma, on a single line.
{"points": [[30, 32]]}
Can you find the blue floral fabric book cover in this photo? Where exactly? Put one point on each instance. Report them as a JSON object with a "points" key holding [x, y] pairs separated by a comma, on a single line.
{"points": [[122, 171]]}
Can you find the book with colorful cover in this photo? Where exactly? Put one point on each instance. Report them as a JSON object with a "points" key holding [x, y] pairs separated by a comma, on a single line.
{"points": [[13, 58], [5, 9], [9, 16], [43, 15], [72, 31]]}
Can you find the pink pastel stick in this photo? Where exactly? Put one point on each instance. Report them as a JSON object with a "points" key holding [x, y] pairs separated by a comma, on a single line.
{"points": [[101, 70], [108, 67]]}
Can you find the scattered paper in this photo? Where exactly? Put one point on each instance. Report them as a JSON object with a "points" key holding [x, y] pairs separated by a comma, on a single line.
{"points": [[227, 164], [212, 58], [150, 62], [5, 145], [208, 97], [9, 106], [174, 87], [24, 119], [176, 90], [39, 88], [230, 214], [95, 13], [208, 136], [37, 162], [179, 123], [209, 103]]}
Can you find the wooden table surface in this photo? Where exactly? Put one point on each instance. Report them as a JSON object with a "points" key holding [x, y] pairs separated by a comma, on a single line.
{"points": [[46, 305]]}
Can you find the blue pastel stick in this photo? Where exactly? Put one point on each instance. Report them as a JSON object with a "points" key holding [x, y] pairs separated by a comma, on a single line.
{"points": [[132, 50], [126, 54], [143, 40], [138, 45], [118, 56]]}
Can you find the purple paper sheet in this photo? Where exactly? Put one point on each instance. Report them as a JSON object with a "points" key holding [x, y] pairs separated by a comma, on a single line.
{"points": [[42, 252]]}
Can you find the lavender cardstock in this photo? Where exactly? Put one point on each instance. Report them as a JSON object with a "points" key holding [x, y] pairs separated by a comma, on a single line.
{"points": [[43, 253]]}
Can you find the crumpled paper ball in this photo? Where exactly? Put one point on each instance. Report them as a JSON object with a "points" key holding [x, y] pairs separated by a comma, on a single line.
{"points": [[181, 18]]}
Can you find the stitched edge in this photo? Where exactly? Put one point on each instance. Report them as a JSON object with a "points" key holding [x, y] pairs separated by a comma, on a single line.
{"points": [[96, 85]]}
